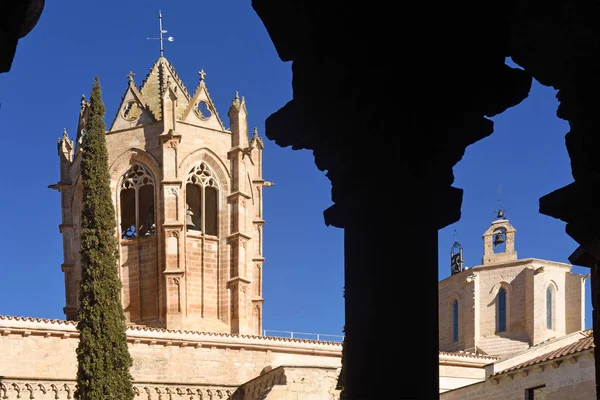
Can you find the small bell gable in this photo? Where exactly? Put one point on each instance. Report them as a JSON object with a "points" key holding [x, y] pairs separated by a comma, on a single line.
{"points": [[201, 110], [499, 241], [133, 110]]}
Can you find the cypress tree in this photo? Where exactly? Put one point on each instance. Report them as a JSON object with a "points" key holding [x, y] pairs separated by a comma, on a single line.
{"points": [[102, 354]]}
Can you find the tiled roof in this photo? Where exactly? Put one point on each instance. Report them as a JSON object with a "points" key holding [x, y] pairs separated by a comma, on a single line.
{"points": [[586, 343], [468, 354], [152, 329]]}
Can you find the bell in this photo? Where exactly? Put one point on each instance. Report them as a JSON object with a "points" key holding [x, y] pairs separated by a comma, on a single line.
{"points": [[498, 239], [188, 219]]}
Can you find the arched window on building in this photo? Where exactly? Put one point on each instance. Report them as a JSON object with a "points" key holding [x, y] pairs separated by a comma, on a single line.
{"points": [[549, 324], [202, 200], [137, 203], [455, 321], [501, 303]]}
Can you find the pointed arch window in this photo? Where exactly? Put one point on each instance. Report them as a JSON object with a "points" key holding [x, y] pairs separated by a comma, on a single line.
{"points": [[501, 303], [202, 208], [549, 315], [137, 203], [455, 321]]}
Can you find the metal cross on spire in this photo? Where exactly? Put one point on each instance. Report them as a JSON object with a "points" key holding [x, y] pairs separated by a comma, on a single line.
{"points": [[161, 31]]}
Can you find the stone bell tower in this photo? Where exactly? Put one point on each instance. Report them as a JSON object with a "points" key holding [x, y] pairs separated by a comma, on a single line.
{"points": [[188, 199]]}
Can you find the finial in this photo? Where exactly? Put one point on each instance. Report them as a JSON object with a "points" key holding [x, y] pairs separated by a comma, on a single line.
{"points": [[130, 76], [454, 235], [237, 95], [202, 75], [82, 101], [65, 132], [161, 31], [255, 131]]}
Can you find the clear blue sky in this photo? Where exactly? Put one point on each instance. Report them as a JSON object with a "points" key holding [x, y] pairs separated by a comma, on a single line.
{"points": [[303, 275]]}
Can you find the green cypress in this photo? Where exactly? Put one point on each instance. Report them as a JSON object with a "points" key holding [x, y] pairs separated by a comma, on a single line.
{"points": [[102, 354]]}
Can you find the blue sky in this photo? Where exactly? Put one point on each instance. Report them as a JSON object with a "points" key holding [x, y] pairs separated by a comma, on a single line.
{"points": [[303, 276]]}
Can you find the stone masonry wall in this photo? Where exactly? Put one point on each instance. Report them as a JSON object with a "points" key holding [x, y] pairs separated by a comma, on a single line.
{"points": [[291, 383], [570, 379], [39, 350]]}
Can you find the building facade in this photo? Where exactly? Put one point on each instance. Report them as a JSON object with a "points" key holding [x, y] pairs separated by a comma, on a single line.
{"points": [[513, 328], [188, 198], [187, 192]]}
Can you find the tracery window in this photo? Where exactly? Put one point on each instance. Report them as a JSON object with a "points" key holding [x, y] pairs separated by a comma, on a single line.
{"points": [[202, 200], [137, 203]]}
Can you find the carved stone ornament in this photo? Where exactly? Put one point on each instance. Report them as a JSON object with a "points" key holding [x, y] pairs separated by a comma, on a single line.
{"points": [[174, 234]]}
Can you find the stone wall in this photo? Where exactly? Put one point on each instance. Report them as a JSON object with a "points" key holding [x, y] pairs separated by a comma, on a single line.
{"points": [[461, 369], [292, 383], [525, 282], [35, 351], [569, 378]]}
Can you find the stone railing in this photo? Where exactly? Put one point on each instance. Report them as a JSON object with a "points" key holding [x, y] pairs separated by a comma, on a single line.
{"points": [[19, 388]]}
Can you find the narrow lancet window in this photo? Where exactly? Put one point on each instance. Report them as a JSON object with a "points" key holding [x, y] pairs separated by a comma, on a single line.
{"points": [[549, 308], [455, 321], [202, 200], [137, 203], [501, 310]]}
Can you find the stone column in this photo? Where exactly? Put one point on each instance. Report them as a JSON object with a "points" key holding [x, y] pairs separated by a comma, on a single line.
{"points": [[577, 203], [172, 217]]}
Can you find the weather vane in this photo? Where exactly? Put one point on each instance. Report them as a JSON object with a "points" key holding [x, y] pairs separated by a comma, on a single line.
{"points": [[161, 31]]}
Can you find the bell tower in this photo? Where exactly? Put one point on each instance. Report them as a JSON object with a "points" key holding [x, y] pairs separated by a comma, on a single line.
{"points": [[499, 241], [188, 199]]}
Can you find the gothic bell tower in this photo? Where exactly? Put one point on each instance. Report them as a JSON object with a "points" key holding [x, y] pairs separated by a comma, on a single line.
{"points": [[188, 199]]}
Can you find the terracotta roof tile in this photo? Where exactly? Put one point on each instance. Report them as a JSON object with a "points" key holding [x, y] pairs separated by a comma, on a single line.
{"points": [[468, 354], [583, 344]]}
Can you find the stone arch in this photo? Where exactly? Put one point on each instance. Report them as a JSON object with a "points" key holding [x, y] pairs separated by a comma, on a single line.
{"points": [[209, 157], [496, 288], [122, 164], [131, 156], [222, 175]]}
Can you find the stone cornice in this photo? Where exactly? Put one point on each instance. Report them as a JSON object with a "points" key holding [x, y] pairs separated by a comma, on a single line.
{"points": [[226, 132], [171, 182], [136, 334], [62, 227], [239, 234], [238, 194], [240, 279], [173, 225], [133, 128]]}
